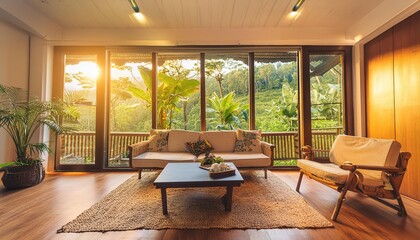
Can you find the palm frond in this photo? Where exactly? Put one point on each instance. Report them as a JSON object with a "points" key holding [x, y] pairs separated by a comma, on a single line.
{"points": [[22, 117]]}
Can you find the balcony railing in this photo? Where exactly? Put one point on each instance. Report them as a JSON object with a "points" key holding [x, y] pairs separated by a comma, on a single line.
{"points": [[79, 147]]}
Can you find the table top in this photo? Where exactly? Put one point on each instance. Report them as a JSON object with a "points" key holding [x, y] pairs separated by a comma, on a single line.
{"points": [[190, 174]]}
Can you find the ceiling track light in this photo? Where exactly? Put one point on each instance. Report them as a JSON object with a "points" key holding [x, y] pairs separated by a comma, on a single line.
{"points": [[134, 6], [297, 5]]}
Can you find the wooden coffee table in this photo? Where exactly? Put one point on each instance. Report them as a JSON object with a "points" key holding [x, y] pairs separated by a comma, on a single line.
{"points": [[189, 175]]}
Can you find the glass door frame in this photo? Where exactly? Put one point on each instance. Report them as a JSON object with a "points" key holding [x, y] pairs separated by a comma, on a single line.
{"points": [[305, 96], [58, 88], [102, 53]]}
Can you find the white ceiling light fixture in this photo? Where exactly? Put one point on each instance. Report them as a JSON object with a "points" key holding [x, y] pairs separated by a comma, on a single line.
{"points": [[297, 5], [134, 6]]}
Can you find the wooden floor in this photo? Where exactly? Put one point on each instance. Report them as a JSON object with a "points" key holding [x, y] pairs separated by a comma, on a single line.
{"points": [[37, 213]]}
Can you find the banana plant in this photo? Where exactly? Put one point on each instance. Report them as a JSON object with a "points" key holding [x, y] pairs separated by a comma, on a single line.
{"points": [[170, 92], [227, 111]]}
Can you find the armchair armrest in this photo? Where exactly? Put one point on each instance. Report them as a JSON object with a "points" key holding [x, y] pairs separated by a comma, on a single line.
{"points": [[309, 153], [137, 149], [268, 150], [351, 167]]}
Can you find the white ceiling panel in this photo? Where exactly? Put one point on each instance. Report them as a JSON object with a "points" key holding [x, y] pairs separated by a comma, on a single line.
{"points": [[337, 14], [205, 21]]}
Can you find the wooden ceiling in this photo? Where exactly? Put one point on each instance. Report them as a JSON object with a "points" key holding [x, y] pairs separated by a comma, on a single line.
{"points": [[204, 22], [337, 14]]}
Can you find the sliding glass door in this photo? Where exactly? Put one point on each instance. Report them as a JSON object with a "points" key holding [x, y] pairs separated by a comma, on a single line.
{"points": [[327, 113], [81, 83], [115, 97], [129, 101], [327, 98]]}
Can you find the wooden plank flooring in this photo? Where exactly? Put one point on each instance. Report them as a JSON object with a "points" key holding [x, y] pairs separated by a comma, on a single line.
{"points": [[37, 213]]}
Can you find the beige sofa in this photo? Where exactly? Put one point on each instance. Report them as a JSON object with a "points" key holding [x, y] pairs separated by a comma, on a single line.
{"points": [[243, 148]]}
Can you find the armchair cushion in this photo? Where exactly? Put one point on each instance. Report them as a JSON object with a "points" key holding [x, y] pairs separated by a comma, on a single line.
{"points": [[328, 172], [365, 151]]}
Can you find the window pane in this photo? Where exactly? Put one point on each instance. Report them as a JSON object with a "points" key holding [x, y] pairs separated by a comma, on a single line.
{"points": [[178, 91], [276, 102], [276, 92], [130, 117], [81, 72], [227, 98], [326, 99]]}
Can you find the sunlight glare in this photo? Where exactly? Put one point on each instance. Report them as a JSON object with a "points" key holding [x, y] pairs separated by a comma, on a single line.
{"points": [[90, 69]]}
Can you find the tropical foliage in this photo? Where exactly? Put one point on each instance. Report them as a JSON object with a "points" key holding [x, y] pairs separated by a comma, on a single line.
{"points": [[22, 118], [227, 96], [170, 92], [228, 112]]}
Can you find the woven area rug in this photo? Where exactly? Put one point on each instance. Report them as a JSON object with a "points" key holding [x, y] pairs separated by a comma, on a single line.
{"points": [[258, 204]]}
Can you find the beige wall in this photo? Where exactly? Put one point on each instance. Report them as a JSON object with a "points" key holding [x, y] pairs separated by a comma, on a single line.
{"points": [[40, 80], [17, 48], [14, 59]]}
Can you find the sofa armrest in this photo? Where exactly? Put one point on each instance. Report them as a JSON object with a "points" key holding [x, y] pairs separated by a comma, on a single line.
{"points": [[268, 150], [137, 149]]}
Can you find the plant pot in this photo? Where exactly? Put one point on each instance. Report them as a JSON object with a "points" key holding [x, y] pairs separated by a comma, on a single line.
{"points": [[23, 176]]}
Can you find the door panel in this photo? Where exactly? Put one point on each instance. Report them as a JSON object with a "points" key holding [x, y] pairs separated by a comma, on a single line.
{"points": [[81, 89], [327, 99], [380, 87]]}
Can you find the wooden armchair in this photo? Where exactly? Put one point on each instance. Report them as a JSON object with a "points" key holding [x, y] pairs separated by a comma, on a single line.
{"points": [[371, 167]]}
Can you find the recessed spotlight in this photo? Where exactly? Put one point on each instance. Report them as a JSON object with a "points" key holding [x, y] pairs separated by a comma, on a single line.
{"points": [[134, 6], [297, 5]]}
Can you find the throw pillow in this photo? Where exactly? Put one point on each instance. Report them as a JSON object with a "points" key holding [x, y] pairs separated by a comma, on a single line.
{"points": [[248, 141], [158, 141], [199, 147]]}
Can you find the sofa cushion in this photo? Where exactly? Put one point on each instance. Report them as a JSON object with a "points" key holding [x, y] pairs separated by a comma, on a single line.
{"points": [[199, 147], [248, 141], [178, 138], [158, 141], [243, 159], [365, 151], [329, 172], [160, 159], [221, 141]]}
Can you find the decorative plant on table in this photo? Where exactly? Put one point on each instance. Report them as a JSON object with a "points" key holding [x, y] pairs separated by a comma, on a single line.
{"points": [[22, 118], [210, 158]]}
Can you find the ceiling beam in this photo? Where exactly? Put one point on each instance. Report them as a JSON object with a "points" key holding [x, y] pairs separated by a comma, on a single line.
{"points": [[203, 36]]}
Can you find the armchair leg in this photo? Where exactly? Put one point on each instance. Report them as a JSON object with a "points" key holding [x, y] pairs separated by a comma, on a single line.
{"points": [[299, 181], [140, 173], [342, 197], [401, 211], [265, 173], [337, 208]]}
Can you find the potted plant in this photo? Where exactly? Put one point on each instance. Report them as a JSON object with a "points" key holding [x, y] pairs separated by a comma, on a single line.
{"points": [[21, 117]]}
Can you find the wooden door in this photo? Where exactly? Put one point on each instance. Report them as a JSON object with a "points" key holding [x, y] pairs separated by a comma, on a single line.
{"points": [[379, 72], [407, 98]]}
